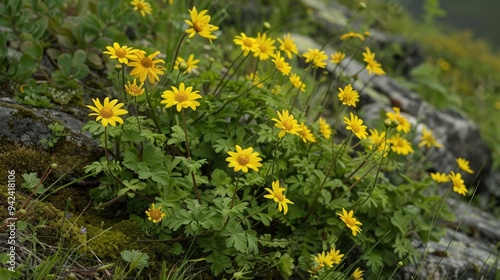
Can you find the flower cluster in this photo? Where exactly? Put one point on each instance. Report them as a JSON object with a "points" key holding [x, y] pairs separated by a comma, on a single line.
{"points": [[456, 179]]}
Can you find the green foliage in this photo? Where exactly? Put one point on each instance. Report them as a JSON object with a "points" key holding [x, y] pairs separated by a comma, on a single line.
{"points": [[277, 216]]}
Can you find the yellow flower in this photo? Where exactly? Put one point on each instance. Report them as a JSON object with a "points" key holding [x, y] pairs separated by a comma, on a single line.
{"points": [[141, 6], [244, 159], [134, 89], [281, 64], [428, 140], [403, 124], [277, 195], [182, 97], [155, 214], [357, 274], [377, 140], [337, 57], [350, 221], [306, 134], [352, 35], [145, 66], [355, 125], [255, 79], [324, 128], [400, 145], [316, 57], [348, 96], [247, 43], [265, 47], [323, 259], [458, 183], [123, 54], [199, 24], [288, 46], [191, 63], [335, 256], [371, 64], [464, 165], [440, 177], [443, 64], [108, 113], [287, 123], [297, 83]]}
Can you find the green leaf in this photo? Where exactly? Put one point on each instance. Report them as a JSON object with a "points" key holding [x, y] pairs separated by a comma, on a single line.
{"points": [[33, 49], [401, 221], [65, 63], [220, 178], [177, 136], [192, 165], [224, 145], [79, 58], [137, 259]]}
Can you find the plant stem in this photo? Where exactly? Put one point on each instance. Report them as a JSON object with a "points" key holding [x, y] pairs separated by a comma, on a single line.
{"points": [[193, 176], [227, 72], [155, 119]]}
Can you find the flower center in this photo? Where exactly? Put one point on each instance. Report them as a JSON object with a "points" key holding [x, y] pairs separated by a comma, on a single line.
{"points": [[287, 125], [262, 48], [350, 221], [355, 127], [279, 196], [247, 42], [155, 214], [135, 90], [139, 6], [243, 160], [197, 26], [181, 97], [106, 112], [146, 62], [121, 52]]}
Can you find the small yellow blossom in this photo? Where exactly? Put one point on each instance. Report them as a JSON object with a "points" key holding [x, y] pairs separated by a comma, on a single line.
{"points": [[400, 145], [324, 128], [277, 195], [403, 124], [123, 54], [287, 123], [107, 113], [350, 221], [443, 64], [464, 165], [183, 97], [244, 159], [306, 134], [352, 35], [440, 177], [155, 214], [335, 256], [141, 6], [348, 96], [146, 66], [355, 125], [377, 140], [276, 89], [337, 57], [357, 274], [281, 64], [134, 89], [316, 57], [200, 24], [458, 183], [288, 46], [297, 82], [323, 259], [428, 140], [255, 79], [190, 63], [248, 44], [265, 47], [371, 64]]}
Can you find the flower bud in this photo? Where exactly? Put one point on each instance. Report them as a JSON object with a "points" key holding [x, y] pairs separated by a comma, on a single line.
{"points": [[183, 66], [390, 123], [118, 67], [266, 25], [361, 6], [53, 165], [400, 264]]}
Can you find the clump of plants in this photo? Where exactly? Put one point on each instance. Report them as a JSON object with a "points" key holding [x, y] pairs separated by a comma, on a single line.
{"points": [[236, 154]]}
